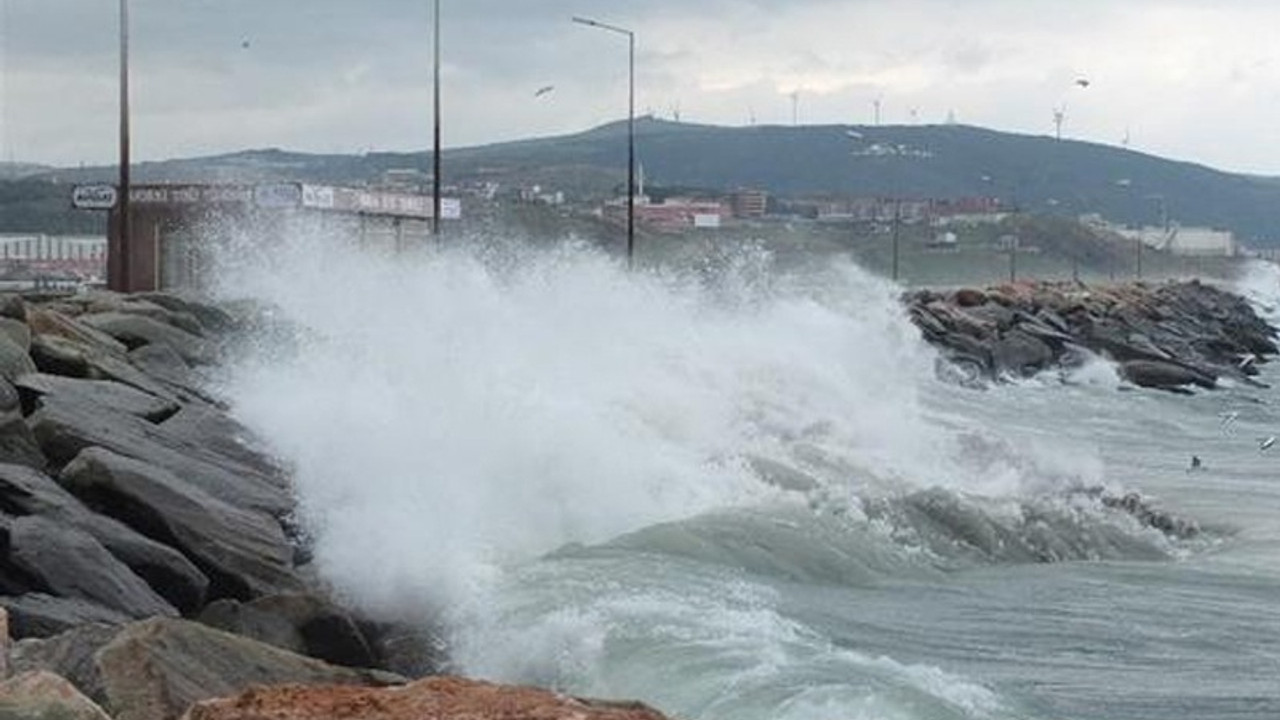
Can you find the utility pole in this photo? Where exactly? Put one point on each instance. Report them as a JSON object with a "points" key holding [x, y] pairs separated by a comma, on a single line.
{"points": [[435, 151], [124, 226], [897, 222]]}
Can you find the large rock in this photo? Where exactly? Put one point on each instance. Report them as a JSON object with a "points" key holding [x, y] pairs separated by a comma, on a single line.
{"points": [[45, 696], [1020, 353], [4, 643], [301, 623], [138, 330], [244, 553], [107, 393], [44, 321], [69, 654], [167, 571], [17, 442], [14, 359], [64, 428], [211, 318], [38, 615], [1163, 375], [164, 364], [211, 428], [70, 563], [137, 305], [154, 670], [57, 355], [17, 331], [436, 697]]}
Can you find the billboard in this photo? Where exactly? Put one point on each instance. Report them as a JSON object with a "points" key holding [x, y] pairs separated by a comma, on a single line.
{"points": [[94, 197]]}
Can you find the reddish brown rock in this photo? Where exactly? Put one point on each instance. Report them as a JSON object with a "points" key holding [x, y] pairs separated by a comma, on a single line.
{"points": [[440, 698]]}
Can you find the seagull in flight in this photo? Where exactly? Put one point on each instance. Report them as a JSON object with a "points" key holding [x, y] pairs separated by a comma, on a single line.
{"points": [[544, 90], [1266, 443], [1247, 361]]}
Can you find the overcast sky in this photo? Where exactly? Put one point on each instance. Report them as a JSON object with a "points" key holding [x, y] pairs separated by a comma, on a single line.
{"points": [[1189, 79]]}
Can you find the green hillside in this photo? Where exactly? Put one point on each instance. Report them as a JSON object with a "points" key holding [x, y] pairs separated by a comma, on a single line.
{"points": [[1034, 173]]}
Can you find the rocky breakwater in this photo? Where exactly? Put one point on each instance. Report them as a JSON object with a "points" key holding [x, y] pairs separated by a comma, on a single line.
{"points": [[147, 558], [1172, 336]]}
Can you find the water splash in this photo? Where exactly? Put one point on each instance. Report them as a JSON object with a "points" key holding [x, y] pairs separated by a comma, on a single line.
{"points": [[450, 412]]}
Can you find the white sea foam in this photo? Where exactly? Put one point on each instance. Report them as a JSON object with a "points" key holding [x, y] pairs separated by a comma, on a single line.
{"points": [[449, 412]]}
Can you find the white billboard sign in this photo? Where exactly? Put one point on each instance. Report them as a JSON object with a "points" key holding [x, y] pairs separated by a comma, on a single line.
{"points": [[450, 209], [94, 197]]}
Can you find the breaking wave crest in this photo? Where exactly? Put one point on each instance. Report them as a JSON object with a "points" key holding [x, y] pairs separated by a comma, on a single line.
{"points": [[541, 446]]}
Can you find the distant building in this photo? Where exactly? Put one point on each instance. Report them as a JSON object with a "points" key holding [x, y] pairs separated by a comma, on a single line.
{"points": [[1203, 242], [748, 203], [62, 259], [672, 215]]}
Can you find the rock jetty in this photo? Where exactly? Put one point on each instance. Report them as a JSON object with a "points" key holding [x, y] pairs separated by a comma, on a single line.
{"points": [[1172, 336], [147, 559]]}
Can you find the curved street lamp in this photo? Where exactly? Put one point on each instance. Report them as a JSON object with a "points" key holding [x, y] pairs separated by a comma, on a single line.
{"points": [[631, 126]]}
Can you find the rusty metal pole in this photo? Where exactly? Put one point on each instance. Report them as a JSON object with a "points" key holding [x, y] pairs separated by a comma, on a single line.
{"points": [[124, 244]]}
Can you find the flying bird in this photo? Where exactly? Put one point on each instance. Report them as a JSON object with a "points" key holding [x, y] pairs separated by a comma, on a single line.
{"points": [[244, 44], [544, 90], [1083, 82], [1266, 443], [1247, 361]]}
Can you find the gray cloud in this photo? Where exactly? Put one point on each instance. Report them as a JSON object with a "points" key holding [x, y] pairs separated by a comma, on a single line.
{"points": [[347, 75]]}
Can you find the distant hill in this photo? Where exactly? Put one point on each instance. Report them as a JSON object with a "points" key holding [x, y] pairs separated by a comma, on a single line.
{"points": [[1036, 173], [16, 170]]}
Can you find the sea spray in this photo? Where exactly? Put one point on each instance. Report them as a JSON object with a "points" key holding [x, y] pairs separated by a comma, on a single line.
{"points": [[450, 411], [557, 456]]}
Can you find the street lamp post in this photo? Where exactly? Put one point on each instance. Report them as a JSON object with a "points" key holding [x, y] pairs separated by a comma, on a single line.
{"points": [[435, 152], [123, 225], [631, 127]]}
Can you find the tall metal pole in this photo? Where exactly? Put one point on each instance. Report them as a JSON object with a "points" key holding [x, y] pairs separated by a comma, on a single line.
{"points": [[631, 149], [631, 127], [124, 226], [897, 222], [435, 153]]}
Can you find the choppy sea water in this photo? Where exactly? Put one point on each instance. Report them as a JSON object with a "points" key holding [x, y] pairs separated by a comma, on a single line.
{"points": [[743, 493]]}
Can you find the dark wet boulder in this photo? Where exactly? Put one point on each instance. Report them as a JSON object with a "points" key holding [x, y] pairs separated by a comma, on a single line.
{"points": [[57, 355], [24, 491], [40, 615], [107, 393], [243, 552], [1164, 375], [301, 623], [1020, 353], [70, 563], [17, 331], [64, 428], [138, 330], [14, 359], [969, 297], [210, 428]]}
